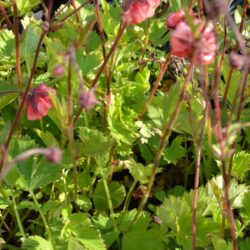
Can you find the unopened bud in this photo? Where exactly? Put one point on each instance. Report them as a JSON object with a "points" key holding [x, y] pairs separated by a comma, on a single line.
{"points": [[87, 99], [240, 62], [59, 70], [54, 155]]}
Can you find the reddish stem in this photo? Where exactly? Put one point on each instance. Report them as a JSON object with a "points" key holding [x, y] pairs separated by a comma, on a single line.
{"points": [[8, 22], [18, 61], [22, 102], [118, 37], [156, 85], [102, 39]]}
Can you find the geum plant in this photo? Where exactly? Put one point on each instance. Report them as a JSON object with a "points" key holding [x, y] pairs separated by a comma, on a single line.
{"points": [[124, 125]]}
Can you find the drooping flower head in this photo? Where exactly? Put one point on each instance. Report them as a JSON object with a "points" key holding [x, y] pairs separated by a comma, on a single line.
{"points": [[174, 18], [87, 99], [38, 102], [136, 11], [183, 43], [240, 62]]}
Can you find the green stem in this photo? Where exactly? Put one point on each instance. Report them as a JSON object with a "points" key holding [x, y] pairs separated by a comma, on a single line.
{"points": [[112, 214], [43, 218], [129, 195], [20, 225]]}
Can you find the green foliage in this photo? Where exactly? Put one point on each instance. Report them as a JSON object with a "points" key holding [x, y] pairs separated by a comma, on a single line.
{"points": [[94, 142], [120, 184], [80, 229], [117, 195]]}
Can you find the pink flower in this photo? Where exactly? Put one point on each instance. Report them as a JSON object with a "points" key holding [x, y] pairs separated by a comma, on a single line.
{"points": [[183, 43], [207, 46], [173, 19], [240, 62], [136, 11], [87, 99], [59, 70], [38, 102], [54, 155]]}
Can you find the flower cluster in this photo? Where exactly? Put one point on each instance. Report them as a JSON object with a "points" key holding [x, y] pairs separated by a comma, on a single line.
{"points": [[136, 11], [183, 42], [38, 102]]}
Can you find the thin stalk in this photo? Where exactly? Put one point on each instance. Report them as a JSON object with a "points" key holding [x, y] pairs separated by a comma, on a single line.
{"points": [[18, 60], [226, 178], [47, 227], [239, 42], [146, 39], [156, 85], [197, 176], [165, 135], [19, 223], [112, 214], [191, 5], [200, 6], [73, 12], [8, 22], [102, 39], [129, 195], [118, 37], [22, 102], [70, 127], [73, 3]]}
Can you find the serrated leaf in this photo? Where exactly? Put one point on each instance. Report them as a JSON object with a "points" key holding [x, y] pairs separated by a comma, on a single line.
{"points": [[121, 125], [29, 40], [79, 226], [117, 194], [94, 142], [140, 239], [221, 244], [175, 151], [36, 243], [241, 164]]}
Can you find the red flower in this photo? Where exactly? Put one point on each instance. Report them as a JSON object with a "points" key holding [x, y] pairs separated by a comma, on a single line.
{"points": [[182, 43], [173, 19], [136, 11], [38, 102]]}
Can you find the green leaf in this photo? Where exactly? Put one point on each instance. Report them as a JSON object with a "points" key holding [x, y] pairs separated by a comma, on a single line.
{"points": [[36, 243], [25, 6], [175, 151], [244, 244], [241, 164], [29, 40], [94, 142], [246, 204], [80, 227], [47, 137], [117, 194], [7, 99], [121, 122], [222, 244]]}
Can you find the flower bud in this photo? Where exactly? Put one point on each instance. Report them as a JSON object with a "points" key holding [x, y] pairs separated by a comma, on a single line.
{"points": [[87, 99], [240, 62], [59, 70], [173, 19], [54, 155]]}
